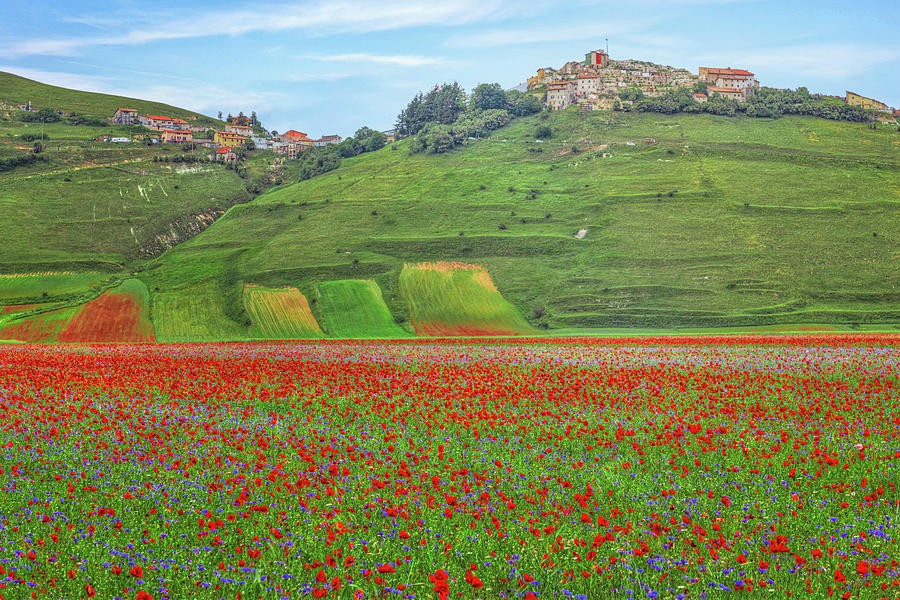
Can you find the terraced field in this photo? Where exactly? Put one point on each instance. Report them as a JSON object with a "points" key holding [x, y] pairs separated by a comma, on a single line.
{"points": [[450, 299], [355, 309], [279, 314]]}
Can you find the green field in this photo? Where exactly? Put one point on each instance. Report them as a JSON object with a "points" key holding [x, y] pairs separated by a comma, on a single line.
{"points": [[19, 90], [619, 220], [688, 221], [279, 314], [355, 309], [447, 299]]}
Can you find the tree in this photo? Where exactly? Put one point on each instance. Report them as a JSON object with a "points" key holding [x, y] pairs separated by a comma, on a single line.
{"points": [[543, 132], [363, 133], [38, 147], [521, 105], [631, 93], [220, 115], [487, 96], [376, 141]]}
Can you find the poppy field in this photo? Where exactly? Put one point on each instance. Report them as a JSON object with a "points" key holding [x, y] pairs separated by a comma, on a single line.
{"points": [[724, 467]]}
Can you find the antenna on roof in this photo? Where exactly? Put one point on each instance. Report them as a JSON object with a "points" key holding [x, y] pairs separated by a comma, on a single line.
{"points": [[607, 46]]}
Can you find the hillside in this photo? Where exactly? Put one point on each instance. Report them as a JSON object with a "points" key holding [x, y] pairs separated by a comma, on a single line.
{"points": [[94, 205], [19, 90], [617, 220]]}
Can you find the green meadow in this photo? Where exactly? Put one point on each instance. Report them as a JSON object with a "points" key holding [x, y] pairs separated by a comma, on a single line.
{"points": [[619, 220]]}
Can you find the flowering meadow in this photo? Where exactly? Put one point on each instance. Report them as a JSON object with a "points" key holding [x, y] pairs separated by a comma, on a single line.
{"points": [[532, 469]]}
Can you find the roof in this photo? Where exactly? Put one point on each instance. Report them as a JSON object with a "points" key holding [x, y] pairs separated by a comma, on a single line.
{"points": [[699, 95], [718, 71], [721, 90], [179, 121], [155, 118], [181, 131], [126, 110], [558, 84], [330, 137], [224, 150], [588, 76]]}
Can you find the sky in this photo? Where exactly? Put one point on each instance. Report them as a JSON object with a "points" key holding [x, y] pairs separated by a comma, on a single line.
{"points": [[331, 66]]}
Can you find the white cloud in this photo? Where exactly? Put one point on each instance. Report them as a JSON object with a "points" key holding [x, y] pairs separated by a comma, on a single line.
{"points": [[86, 83], [315, 17], [200, 97], [397, 60]]}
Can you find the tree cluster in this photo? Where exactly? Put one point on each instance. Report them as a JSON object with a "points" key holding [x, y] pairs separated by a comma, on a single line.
{"points": [[445, 116], [766, 102], [316, 161], [8, 164]]}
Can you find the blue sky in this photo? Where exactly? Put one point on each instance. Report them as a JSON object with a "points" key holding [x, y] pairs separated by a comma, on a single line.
{"points": [[324, 67]]}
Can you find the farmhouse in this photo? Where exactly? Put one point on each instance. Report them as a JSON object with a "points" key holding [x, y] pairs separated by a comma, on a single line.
{"points": [[298, 137], [226, 138], [239, 129], [560, 94], [226, 154], [180, 124], [326, 140], [175, 136], [867, 103], [125, 116], [726, 92], [729, 79], [240, 120], [156, 122]]}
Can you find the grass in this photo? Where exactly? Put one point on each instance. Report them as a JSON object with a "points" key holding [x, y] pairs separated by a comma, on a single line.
{"points": [[654, 222], [278, 314], [702, 222], [19, 90], [46, 286], [457, 299], [355, 309]]}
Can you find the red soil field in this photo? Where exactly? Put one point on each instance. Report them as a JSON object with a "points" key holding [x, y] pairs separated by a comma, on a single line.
{"points": [[36, 330], [17, 308], [109, 318], [437, 329]]}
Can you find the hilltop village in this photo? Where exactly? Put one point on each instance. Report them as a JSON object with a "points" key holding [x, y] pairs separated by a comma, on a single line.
{"points": [[239, 132], [599, 82]]}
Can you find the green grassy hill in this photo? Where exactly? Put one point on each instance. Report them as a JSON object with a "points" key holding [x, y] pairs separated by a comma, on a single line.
{"points": [[618, 220], [19, 90]]}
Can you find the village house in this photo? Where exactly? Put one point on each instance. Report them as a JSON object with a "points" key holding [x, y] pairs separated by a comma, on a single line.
{"points": [[180, 124], [867, 103], [560, 94], [156, 122], [175, 136], [225, 154], [721, 80], [596, 58], [326, 140], [701, 98], [226, 138], [587, 84], [297, 137], [241, 120], [725, 92], [239, 129], [538, 80], [125, 116], [291, 151]]}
